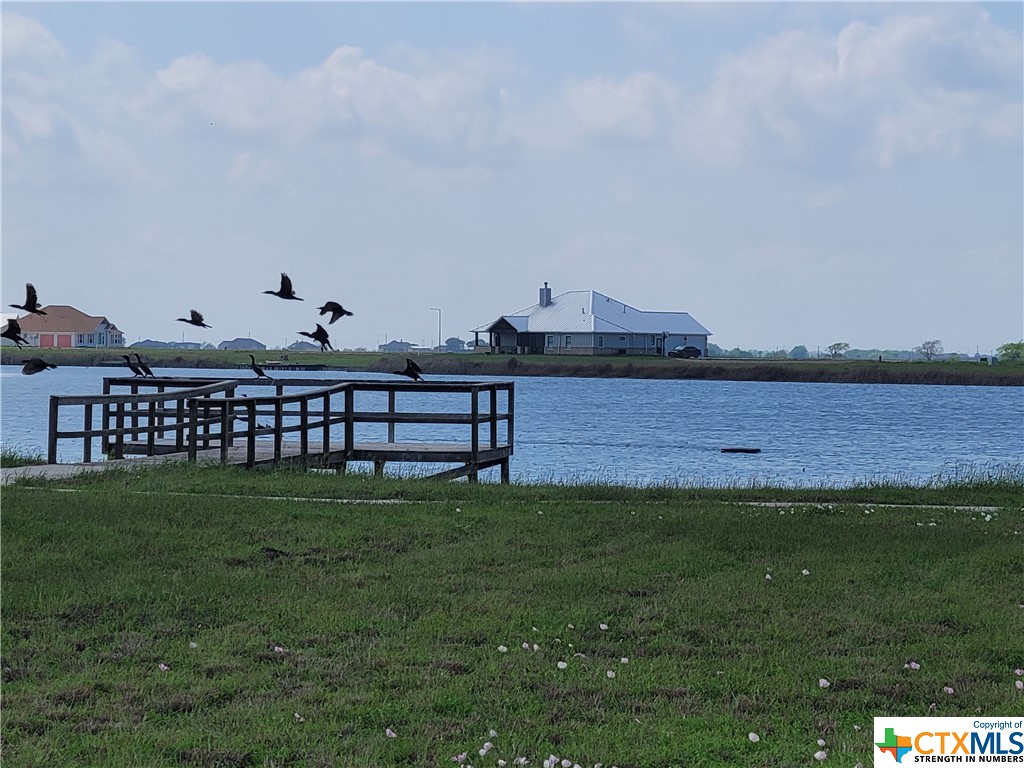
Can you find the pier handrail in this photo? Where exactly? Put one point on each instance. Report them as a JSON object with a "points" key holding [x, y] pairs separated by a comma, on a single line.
{"points": [[107, 400], [275, 406]]}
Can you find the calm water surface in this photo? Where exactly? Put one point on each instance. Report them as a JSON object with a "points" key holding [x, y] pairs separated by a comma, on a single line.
{"points": [[637, 431]]}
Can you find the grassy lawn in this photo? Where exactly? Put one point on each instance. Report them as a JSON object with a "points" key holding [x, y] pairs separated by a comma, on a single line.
{"points": [[211, 617]]}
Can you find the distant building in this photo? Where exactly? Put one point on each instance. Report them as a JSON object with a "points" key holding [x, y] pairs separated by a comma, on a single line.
{"points": [[590, 323], [152, 344], [303, 346], [396, 346], [241, 343], [66, 327]]}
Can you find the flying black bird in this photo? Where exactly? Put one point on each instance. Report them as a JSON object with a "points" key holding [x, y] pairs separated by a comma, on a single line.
{"points": [[195, 319], [412, 370], [13, 332], [335, 309], [134, 368], [35, 365], [285, 291], [31, 302], [146, 370], [320, 335], [260, 373]]}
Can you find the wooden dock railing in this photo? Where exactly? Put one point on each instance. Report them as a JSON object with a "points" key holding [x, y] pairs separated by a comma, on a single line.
{"points": [[192, 415], [131, 415]]}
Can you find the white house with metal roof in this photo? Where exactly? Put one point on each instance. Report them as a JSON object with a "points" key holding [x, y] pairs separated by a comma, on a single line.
{"points": [[590, 323]]}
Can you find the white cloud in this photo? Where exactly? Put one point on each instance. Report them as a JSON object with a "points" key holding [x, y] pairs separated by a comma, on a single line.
{"points": [[915, 83], [26, 40]]}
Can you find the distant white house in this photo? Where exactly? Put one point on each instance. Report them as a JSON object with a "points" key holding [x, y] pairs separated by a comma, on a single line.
{"points": [[589, 323], [242, 343]]}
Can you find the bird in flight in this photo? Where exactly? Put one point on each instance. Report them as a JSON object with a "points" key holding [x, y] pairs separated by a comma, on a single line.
{"points": [[260, 373], [319, 335], [285, 291], [412, 370], [13, 332], [335, 309], [146, 370], [136, 371], [195, 319], [35, 365], [31, 302]]}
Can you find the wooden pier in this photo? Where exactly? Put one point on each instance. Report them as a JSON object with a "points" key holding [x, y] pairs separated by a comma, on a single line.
{"points": [[307, 422]]}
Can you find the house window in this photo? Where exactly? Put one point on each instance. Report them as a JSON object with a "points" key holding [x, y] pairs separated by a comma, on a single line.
{"points": [[550, 342], [652, 339], [92, 338], [600, 341], [568, 342], [622, 338], [81, 339]]}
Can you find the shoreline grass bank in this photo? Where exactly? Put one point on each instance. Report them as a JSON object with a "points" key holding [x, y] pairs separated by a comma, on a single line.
{"points": [[440, 364], [210, 616]]}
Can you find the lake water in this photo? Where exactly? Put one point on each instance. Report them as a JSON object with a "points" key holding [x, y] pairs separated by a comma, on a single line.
{"points": [[642, 431]]}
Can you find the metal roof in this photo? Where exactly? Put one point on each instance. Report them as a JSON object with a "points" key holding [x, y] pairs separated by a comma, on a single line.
{"points": [[593, 312]]}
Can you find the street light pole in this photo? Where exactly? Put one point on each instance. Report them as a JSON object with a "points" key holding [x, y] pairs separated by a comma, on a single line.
{"points": [[439, 342]]}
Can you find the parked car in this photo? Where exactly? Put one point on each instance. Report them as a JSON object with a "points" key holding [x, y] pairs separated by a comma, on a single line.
{"points": [[687, 353]]}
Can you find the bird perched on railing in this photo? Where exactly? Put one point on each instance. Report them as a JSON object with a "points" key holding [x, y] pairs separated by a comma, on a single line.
{"points": [[412, 370], [260, 373], [285, 291], [146, 370], [136, 371], [336, 310], [31, 302], [13, 332], [319, 335], [35, 365], [195, 319]]}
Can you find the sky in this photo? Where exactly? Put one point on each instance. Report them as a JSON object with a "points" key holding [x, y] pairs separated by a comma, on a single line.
{"points": [[787, 173]]}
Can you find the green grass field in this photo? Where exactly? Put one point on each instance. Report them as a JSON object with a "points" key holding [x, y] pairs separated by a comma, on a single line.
{"points": [[204, 616]]}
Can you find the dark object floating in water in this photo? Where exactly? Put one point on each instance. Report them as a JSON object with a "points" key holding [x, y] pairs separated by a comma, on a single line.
{"points": [[741, 450]]}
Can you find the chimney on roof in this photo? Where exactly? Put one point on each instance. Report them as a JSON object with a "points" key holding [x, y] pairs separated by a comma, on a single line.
{"points": [[545, 295]]}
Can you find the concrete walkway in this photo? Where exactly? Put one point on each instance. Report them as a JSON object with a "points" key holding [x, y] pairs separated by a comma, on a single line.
{"points": [[60, 471]]}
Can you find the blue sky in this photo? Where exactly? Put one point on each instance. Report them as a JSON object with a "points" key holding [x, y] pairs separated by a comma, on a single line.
{"points": [[788, 173]]}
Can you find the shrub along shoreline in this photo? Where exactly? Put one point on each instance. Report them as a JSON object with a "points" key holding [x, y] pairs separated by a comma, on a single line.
{"points": [[479, 364], [211, 616]]}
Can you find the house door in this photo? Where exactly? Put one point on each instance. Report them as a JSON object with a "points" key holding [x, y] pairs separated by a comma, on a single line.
{"points": [[659, 345]]}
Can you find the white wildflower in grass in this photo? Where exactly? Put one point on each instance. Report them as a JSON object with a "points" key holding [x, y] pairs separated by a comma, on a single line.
{"points": [[624, 660], [526, 646], [571, 626], [536, 647], [502, 649], [390, 734], [611, 674], [299, 718], [501, 763], [821, 754], [932, 706], [767, 577], [493, 733], [458, 509], [1019, 684], [823, 683], [193, 644], [604, 627], [566, 763], [948, 690], [856, 727], [579, 655], [279, 649], [164, 668], [805, 572], [540, 512], [912, 665], [562, 665], [1018, 672], [753, 737], [460, 758], [521, 761]]}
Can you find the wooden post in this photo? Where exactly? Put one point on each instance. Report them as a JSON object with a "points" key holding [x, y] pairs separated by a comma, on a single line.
{"points": [[378, 467], [504, 472], [391, 412], [250, 438], [105, 439], [51, 440], [161, 419], [510, 395], [193, 433], [206, 423], [151, 435], [179, 429], [304, 426], [493, 390], [135, 413], [119, 431], [475, 438], [350, 427], [87, 442], [326, 442], [225, 431], [278, 426]]}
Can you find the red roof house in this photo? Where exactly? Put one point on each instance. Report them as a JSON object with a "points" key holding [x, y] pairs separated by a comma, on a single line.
{"points": [[66, 327]]}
